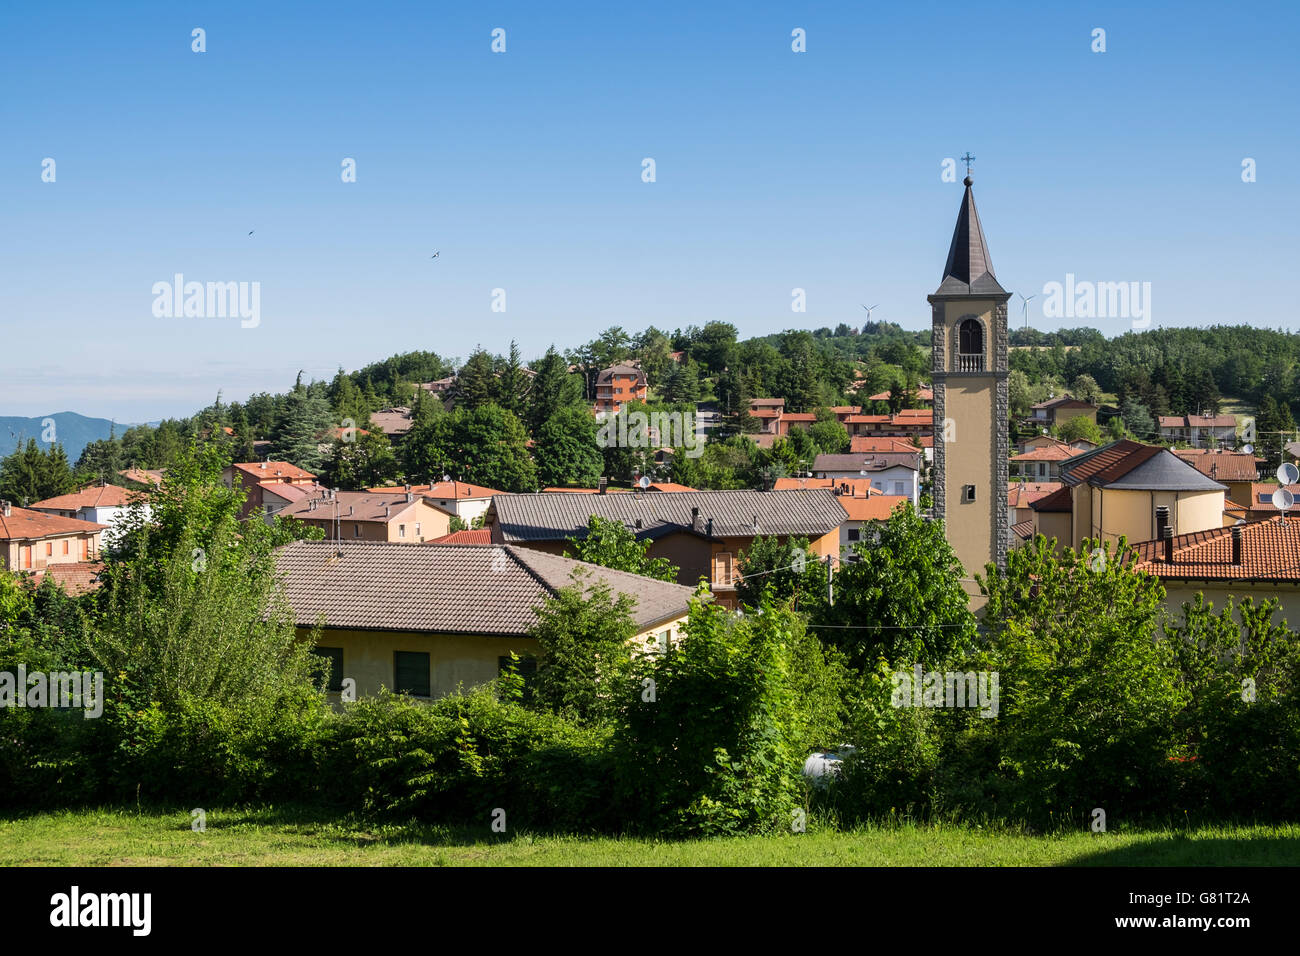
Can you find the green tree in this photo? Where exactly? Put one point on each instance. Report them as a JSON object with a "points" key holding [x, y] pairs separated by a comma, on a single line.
{"points": [[489, 447], [566, 451], [553, 389], [585, 637], [303, 426], [1081, 426], [611, 545], [512, 383], [1138, 419], [781, 572], [476, 382], [360, 460], [900, 597], [29, 475]]}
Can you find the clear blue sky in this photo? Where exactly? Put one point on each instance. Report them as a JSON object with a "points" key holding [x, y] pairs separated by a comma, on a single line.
{"points": [[775, 170]]}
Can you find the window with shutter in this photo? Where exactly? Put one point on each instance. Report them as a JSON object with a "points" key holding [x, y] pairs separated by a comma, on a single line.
{"points": [[411, 673]]}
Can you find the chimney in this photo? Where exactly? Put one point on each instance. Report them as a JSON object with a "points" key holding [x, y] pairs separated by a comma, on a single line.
{"points": [[386, 514], [408, 489], [262, 465], [695, 517], [1168, 536], [755, 524], [602, 485], [410, 496], [6, 509], [1236, 544], [709, 530], [1162, 521]]}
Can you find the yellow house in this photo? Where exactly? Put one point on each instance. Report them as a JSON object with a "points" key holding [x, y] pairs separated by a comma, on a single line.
{"points": [[427, 620], [1114, 491], [1257, 560], [402, 517]]}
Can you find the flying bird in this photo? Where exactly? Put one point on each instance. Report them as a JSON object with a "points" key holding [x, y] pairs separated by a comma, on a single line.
{"points": [[251, 231], [436, 254]]}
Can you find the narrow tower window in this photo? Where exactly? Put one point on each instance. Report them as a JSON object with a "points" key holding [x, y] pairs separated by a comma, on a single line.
{"points": [[970, 346]]}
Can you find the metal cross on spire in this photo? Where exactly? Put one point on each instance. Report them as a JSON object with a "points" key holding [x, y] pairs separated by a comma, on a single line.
{"points": [[968, 159]]}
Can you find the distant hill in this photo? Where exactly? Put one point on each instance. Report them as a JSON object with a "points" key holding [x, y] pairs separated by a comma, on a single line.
{"points": [[74, 432]]}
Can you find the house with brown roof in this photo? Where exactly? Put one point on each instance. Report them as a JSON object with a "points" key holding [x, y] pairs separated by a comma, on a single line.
{"points": [[102, 503], [1114, 491], [1199, 430], [399, 518], [394, 421], [1257, 560], [75, 578], [268, 485], [34, 540], [1042, 463], [1055, 412], [700, 532], [465, 500], [1022, 494], [470, 537], [1261, 499], [892, 473], [618, 385], [860, 514], [426, 621], [849, 487]]}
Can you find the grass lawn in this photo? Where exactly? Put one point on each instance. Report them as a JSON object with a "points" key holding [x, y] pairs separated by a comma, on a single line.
{"points": [[296, 838]]}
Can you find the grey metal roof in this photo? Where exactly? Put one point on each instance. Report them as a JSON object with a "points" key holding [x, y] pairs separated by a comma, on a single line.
{"points": [[555, 516], [1164, 472], [490, 590], [869, 461], [969, 269]]}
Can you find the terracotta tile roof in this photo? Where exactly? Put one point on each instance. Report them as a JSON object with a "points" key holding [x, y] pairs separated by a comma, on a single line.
{"points": [[92, 496], [23, 524], [352, 506], [765, 412], [669, 486], [1021, 494], [392, 421], [922, 394], [1270, 551], [1023, 529], [1048, 453], [1060, 500], [853, 487], [474, 536], [440, 589], [778, 402], [456, 490], [550, 517], [282, 470], [798, 417], [143, 476], [846, 409], [1261, 498], [866, 419], [287, 491], [607, 374], [862, 444], [76, 578], [1221, 465], [874, 508]]}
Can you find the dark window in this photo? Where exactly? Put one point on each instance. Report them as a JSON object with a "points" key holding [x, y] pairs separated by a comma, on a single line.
{"points": [[971, 338], [527, 669], [853, 534], [334, 655], [967, 492], [411, 673]]}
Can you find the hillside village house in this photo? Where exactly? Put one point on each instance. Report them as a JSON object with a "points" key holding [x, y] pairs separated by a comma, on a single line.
{"points": [[460, 498], [1114, 491], [1042, 463], [33, 540], [702, 533], [1257, 560], [99, 504], [1055, 412], [860, 514], [618, 385], [399, 518], [1261, 500], [268, 485], [1021, 495], [426, 621], [1048, 441], [1199, 430], [394, 421], [890, 473], [907, 423]]}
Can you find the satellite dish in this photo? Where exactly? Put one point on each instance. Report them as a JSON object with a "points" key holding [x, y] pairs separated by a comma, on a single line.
{"points": [[644, 482], [446, 477], [1287, 473], [1283, 500], [1248, 449]]}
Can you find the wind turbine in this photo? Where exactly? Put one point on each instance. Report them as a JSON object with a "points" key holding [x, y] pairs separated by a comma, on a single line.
{"points": [[870, 310], [1024, 308]]}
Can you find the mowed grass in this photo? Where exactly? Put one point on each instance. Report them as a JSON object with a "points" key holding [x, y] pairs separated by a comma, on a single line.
{"points": [[277, 838]]}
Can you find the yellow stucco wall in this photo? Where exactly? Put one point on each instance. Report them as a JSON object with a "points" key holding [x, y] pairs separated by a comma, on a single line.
{"points": [[1218, 592], [455, 660]]}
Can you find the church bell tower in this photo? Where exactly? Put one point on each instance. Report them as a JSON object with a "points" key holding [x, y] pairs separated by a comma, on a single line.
{"points": [[969, 353]]}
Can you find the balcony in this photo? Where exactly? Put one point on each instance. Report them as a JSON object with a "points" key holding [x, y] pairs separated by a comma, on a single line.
{"points": [[970, 363]]}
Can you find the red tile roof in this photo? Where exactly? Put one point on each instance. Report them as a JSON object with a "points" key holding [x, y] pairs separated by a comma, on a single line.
{"points": [[874, 508], [856, 487], [1221, 465], [441, 489], [1112, 462], [92, 496], [269, 470], [1021, 494], [1048, 453], [470, 536], [23, 524], [1270, 551], [862, 444], [1060, 500], [1197, 421], [76, 578]]}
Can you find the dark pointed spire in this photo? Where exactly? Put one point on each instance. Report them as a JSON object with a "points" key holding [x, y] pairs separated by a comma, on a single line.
{"points": [[969, 270]]}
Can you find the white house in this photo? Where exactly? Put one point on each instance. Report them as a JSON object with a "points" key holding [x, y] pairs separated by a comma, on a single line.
{"points": [[890, 473], [102, 504]]}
